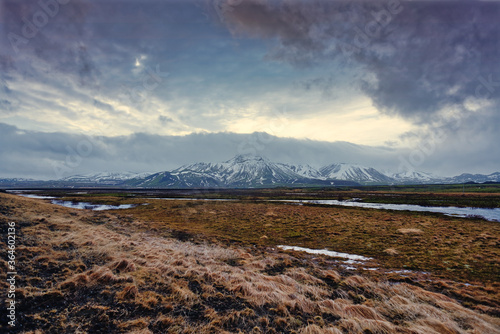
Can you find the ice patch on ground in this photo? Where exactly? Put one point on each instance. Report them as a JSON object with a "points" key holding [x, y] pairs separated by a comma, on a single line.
{"points": [[350, 257]]}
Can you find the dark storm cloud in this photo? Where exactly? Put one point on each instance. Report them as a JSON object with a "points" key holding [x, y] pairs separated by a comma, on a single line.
{"points": [[118, 51], [416, 57], [87, 39], [77, 72], [51, 31]]}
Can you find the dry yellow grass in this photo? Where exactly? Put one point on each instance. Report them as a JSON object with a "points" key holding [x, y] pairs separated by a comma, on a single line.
{"points": [[391, 251], [410, 231], [104, 273]]}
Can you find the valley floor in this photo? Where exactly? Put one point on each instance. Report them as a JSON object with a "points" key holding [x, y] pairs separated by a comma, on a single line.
{"points": [[213, 267]]}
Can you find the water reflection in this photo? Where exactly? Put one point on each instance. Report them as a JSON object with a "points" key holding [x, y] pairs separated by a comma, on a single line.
{"points": [[488, 214], [90, 206]]}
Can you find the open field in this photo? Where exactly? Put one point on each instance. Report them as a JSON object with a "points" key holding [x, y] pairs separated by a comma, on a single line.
{"points": [[177, 266], [468, 195]]}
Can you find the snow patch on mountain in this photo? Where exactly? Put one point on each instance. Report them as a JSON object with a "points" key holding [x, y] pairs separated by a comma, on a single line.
{"points": [[306, 171]]}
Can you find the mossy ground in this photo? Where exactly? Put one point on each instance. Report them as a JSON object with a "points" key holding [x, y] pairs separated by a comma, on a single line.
{"points": [[212, 267], [455, 248]]}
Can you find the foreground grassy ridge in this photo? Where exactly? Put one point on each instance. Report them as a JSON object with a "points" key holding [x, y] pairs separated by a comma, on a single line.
{"points": [[102, 273]]}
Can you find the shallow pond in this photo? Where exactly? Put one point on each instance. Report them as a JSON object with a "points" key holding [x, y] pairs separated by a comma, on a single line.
{"points": [[36, 196], [90, 206]]}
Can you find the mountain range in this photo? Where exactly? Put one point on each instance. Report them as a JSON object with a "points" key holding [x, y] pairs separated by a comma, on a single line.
{"points": [[248, 171]]}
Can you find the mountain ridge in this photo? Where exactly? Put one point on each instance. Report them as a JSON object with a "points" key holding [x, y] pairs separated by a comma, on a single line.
{"points": [[250, 171], [240, 171]]}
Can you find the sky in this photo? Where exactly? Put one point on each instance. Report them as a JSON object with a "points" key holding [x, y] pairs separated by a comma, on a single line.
{"points": [[149, 85]]}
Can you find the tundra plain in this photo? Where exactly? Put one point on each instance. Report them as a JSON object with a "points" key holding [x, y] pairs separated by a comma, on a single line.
{"points": [[190, 266]]}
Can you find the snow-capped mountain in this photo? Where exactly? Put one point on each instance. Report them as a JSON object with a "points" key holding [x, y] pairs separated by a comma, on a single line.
{"points": [[104, 177], [245, 171], [353, 172], [175, 180], [16, 179], [252, 171], [477, 178], [18, 182], [415, 177], [240, 171]]}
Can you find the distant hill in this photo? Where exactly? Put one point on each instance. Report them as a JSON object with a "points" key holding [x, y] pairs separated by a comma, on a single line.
{"points": [[477, 178], [104, 178]]}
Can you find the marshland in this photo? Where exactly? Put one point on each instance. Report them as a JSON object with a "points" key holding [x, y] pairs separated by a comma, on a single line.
{"points": [[167, 262]]}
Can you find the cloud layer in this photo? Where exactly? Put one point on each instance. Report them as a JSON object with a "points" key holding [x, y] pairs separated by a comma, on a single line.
{"points": [[407, 75], [56, 155]]}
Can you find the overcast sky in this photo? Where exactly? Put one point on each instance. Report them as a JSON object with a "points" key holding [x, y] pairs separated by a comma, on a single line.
{"points": [[149, 85]]}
